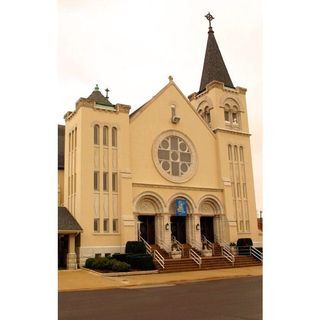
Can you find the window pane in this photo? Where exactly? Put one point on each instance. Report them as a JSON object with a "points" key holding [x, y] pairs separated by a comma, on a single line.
{"points": [[174, 143], [115, 182], [241, 154], [115, 225], [163, 154], [105, 135], [114, 137], [226, 116], [96, 180], [229, 152], [96, 225], [234, 118], [106, 225], [235, 153], [105, 181], [75, 137], [96, 134]]}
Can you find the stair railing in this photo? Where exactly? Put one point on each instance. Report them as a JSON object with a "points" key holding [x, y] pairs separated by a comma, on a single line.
{"points": [[207, 243], [178, 244], [148, 247], [256, 253], [195, 257], [159, 258], [228, 255]]}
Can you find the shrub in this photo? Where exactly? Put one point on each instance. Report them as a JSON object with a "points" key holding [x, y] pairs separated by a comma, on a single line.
{"points": [[102, 263], [134, 247], [89, 263], [119, 266], [140, 261], [120, 257]]}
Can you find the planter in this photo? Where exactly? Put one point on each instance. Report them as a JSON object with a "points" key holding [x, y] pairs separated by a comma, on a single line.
{"points": [[176, 254], [206, 253]]}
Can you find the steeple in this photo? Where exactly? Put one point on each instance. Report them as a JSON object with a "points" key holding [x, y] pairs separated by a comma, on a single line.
{"points": [[97, 96], [213, 66]]}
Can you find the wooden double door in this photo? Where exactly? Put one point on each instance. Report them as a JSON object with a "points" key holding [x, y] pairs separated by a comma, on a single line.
{"points": [[178, 228], [147, 228]]}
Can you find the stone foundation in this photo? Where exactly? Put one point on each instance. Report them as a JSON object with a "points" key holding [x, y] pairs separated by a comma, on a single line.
{"points": [[71, 261]]}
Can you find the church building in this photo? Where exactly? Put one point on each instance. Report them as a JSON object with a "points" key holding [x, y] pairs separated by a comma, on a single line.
{"points": [[176, 169]]}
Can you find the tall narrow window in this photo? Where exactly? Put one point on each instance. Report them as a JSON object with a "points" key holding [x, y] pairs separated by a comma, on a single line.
{"points": [[115, 225], [69, 141], [229, 152], [241, 153], [105, 181], [227, 116], [114, 182], [96, 225], [106, 225], [238, 190], [235, 153], [114, 137], [234, 118], [75, 137], [96, 134], [72, 139], [105, 135], [96, 180], [75, 182]]}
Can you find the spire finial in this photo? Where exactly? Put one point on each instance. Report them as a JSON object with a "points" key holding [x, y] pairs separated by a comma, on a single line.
{"points": [[107, 93], [96, 88], [209, 18]]}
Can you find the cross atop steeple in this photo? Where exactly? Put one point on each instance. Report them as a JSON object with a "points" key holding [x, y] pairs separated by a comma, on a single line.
{"points": [[209, 18]]}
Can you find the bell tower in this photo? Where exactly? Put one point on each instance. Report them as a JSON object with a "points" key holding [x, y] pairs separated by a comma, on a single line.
{"points": [[223, 107]]}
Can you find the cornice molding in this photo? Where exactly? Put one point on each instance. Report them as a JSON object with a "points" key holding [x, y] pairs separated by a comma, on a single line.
{"points": [[160, 186], [215, 130]]}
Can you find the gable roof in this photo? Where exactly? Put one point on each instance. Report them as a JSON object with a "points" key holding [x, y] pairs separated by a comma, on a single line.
{"points": [[61, 133], [139, 111], [214, 67], [66, 221]]}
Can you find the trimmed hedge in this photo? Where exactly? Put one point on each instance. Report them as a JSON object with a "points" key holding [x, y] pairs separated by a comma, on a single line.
{"points": [[137, 261], [135, 247], [244, 245], [107, 263], [140, 261]]}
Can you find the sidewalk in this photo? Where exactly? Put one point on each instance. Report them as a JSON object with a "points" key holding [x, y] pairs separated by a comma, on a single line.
{"points": [[78, 280]]}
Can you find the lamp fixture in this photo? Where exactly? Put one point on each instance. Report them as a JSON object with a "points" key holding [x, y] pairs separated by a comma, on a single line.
{"points": [[167, 226], [198, 226]]}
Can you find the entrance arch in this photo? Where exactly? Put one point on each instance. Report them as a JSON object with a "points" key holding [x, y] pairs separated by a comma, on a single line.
{"points": [[210, 211], [181, 225], [148, 206]]}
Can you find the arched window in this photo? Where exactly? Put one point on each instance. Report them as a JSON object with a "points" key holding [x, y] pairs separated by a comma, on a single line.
{"points": [[235, 153], [105, 135], [96, 132], [241, 153], [207, 116], [114, 137], [229, 152]]}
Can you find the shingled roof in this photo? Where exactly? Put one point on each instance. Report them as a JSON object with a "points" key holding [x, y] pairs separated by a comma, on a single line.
{"points": [[97, 96], [61, 132], [213, 66], [66, 221]]}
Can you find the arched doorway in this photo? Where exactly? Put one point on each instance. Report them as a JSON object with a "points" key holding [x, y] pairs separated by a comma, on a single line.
{"points": [[180, 220], [148, 208], [209, 209]]}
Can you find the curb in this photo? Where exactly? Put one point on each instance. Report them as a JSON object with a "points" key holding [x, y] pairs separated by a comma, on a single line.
{"points": [[120, 274]]}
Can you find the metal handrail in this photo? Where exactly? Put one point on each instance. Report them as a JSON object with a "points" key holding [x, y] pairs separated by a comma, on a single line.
{"points": [[228, 255], [159, 258], [206, 242], [179, 244], [256, 253], [148, 247], [195, 257]]}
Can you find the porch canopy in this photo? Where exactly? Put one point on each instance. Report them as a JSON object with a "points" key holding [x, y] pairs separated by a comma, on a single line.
{"points": [[66, 222]]}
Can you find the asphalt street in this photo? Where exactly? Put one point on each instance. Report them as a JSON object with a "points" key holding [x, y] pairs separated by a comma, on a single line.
{"points": [[229, 299]]}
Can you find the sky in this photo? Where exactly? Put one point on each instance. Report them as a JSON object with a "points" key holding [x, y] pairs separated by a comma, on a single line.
{"points": [[131, 47]]}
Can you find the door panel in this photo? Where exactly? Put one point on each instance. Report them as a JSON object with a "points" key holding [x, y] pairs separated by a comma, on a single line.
{"points": [[178, 228]]}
